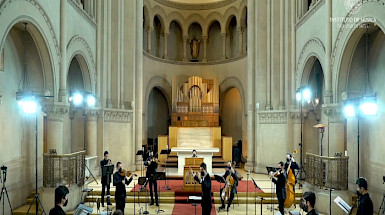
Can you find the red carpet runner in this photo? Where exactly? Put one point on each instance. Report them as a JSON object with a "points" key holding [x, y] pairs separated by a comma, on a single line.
{"points": [[188, 209]]}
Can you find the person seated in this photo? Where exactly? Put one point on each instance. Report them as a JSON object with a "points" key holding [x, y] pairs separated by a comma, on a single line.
{"points": [[308, 202]]}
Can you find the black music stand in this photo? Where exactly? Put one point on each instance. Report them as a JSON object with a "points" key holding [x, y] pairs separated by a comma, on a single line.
{"points": [[107, 170], [271, 169], [255, 195], [140, 152], [159, 176], [194, 200], [143, 182], [165, 152]]}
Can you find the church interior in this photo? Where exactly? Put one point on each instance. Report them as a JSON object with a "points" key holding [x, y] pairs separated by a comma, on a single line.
{"points": [[252, 82]]}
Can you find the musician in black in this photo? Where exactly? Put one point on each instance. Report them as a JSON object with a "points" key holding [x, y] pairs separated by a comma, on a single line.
{"points": [[61, 200], [233, 173], [279, 179], [120, 182], [204, 179], [365, 204], [105, 182], [294, 166], [308, 202], [151, 163]]}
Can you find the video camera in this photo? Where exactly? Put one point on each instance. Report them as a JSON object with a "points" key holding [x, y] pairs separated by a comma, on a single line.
{"points": [[4, 168]]}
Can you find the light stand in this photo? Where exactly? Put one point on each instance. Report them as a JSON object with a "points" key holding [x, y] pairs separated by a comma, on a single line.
{"points": [[4, 189], [330, 199], [247, 191], [36, 198]]}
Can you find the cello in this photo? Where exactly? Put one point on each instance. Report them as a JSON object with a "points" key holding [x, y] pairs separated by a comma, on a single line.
{"points": [[225, 195], [290, 183]]}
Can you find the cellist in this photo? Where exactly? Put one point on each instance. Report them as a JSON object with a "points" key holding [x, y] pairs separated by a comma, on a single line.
{"points": [[230, 172], [279, 179]]}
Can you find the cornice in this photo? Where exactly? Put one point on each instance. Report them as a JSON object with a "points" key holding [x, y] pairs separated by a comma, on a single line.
{"points": [[118, 115], [333, 112], [186, 6], [272, 117], [56, 110], [309, 13], [295, 115], [193, 63]]}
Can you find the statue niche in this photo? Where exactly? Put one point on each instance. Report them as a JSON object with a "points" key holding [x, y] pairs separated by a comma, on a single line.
{"points": [[194, 46]]}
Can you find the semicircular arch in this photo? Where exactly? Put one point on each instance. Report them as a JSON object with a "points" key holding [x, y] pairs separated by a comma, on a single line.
{"points": [[228, 84]]}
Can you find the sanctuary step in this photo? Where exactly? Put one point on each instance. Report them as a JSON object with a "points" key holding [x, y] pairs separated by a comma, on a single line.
{"points": [[172, 161]]}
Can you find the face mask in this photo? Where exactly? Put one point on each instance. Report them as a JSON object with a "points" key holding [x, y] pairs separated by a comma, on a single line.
{"points": [[287, 159], [202, 173], [358, 193], [120, 170], [65, 204], [303, 206]]}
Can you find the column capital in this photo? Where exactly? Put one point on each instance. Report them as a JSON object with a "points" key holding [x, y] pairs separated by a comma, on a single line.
{"points": [[224, 34], [204, 38], [333, 112], [185, 38], [149, 29], [92, 114], [56, 110], [166, 34], [295, 115]]}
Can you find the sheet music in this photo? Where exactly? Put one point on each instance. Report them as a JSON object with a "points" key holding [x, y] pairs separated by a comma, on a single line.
{"points": [[342, 204], [196, 198]]}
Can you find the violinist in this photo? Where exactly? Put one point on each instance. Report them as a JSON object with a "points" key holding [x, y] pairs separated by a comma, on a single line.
{"points": [[105, 182], [152, 164], [120, 182], [279, 179], [231, 176]]}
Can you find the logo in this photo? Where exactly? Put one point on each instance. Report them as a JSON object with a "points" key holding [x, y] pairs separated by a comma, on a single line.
{"points": [[353, 6]]}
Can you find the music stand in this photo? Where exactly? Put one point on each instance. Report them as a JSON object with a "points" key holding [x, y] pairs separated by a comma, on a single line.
{"points": [[143, 182], [165, 152], [159, 176], [140, 152], [194, 200], [271, 169], [106, 172], [255, 195]]}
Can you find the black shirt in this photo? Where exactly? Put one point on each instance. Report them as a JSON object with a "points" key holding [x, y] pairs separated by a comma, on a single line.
{"points": [[365, 205], [120, 187], [151, 168], [57, 210], [312, 212], [206, 190], [280, 187]]}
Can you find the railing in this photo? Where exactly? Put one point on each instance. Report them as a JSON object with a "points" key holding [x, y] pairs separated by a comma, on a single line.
{"points": [[327, 172], [67, 169]]}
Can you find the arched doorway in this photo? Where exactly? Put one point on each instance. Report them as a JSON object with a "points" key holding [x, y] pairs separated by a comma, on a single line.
{"points": [[231, 117], [158, 117]]}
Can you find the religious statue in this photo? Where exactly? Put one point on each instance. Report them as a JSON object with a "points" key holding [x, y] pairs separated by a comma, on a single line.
{"points": [[194, 46]]}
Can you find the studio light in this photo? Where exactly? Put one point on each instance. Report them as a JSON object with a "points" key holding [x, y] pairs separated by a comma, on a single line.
{"points": [[306, 94], [368, 106], [349, 110], [91, 101], [77, 98], [28, 104], [298, 96]]}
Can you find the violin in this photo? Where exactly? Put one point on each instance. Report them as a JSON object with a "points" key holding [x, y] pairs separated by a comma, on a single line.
{"points": [[154, 159], [276, 173], [127, 173]]}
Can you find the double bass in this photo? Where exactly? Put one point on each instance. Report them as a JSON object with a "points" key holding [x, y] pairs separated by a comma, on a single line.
{"points": [[290, 183]]}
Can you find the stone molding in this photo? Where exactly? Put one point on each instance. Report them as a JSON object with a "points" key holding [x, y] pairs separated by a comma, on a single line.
{"points": [[56, 111], [82, 12], [193, 63], [117, 115], [295, 115], [186, 6], [92, 114], [333, 112], [272, 117], [309, 13]]}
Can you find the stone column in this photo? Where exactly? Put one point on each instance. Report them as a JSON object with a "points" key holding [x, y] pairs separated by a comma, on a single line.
{"points": [[109, 58], [223, 46], [293, 57], [165, 45], [55, 119], [91, 137], [281, 57], [185, 48], [334, 132], [328, 50], [149, 31], [63, 94], [240, 35], [204, 48]]}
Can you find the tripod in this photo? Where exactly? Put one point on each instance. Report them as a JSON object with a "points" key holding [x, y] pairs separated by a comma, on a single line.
{"points": [[36, 198], [166, 152], [4, 189], [159, 176], [379, 210]]}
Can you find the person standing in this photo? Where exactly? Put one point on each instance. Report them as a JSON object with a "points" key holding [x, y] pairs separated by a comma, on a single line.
{"points": [[120, 182], [106, 180], [61, 200], [365, 204], [279, 179], [152, 165], [204, 179]]}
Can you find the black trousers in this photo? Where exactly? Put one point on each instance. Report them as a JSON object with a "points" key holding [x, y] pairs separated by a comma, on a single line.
{"points": [[206, 210], [281, 203], [153, 184], [230, 199], [120, 202], [103, 191]]}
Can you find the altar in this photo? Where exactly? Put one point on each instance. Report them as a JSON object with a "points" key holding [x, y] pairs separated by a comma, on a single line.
{"points": [[205, 153]]}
